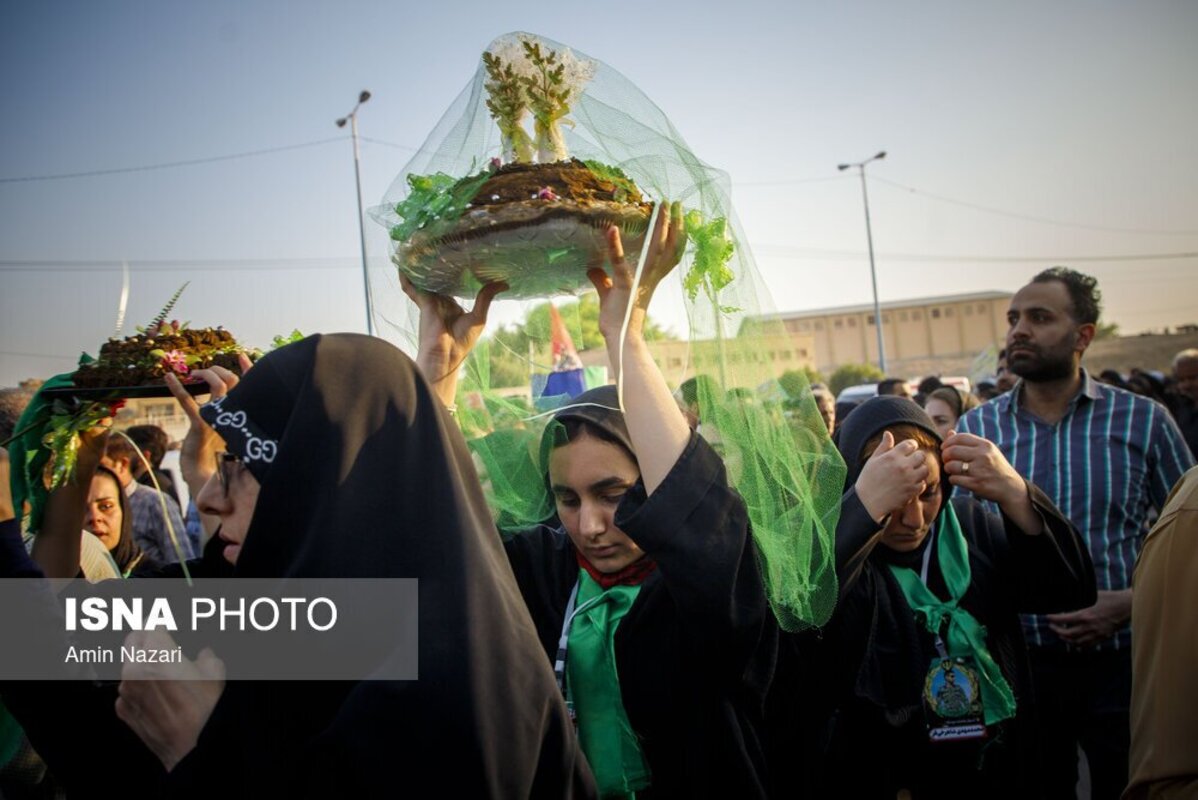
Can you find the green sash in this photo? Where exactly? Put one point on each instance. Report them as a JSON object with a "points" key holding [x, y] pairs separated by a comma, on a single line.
{"points": [[965, 636], [593, 686]]}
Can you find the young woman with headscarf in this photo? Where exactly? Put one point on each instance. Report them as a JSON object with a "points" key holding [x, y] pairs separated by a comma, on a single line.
{"points": [[648, 599], [109, 520], [341, 463], [924, 677]]}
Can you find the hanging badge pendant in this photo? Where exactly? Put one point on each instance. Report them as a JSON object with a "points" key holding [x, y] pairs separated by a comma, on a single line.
{"points": [[952, 701]]}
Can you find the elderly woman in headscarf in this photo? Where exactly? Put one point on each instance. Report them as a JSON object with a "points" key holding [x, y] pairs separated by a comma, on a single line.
{"points": [[648, 598], [926, 678], [338, 462]]}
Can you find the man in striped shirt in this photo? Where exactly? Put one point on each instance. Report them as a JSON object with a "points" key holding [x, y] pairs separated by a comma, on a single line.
{"points": [[1106, 457]]}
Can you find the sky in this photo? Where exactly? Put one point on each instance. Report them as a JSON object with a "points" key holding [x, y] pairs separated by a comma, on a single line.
{"points": [[1018, 135]]}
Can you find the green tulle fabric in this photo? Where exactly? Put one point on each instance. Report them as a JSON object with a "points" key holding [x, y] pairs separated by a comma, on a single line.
{"points": [[778, 450]]}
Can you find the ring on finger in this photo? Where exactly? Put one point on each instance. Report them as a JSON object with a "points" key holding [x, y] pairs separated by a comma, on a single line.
{"points": [[964, 467]]}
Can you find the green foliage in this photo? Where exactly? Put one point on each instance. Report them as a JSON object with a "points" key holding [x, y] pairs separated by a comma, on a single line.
{"points": [[713, 250], [548, 97], [796, 381], [506, 98], [853, 374], [433, 198], [67, 421], [166, 309], [282, 341], [507, 103], [1107, 330], [509, 344], [625, 186]]}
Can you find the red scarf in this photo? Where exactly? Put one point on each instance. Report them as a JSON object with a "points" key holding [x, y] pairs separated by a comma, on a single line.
{"points": [[631, 575]]}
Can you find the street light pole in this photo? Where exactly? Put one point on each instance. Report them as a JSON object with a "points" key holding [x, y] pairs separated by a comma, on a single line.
{"points": [[352, 117], [873, 273]]}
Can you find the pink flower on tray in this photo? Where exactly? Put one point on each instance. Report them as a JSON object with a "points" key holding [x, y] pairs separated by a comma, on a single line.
{"points": [[546, 193], [176, 361]]}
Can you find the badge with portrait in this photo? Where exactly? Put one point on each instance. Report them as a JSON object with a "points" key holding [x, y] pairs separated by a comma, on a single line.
{"points": [[952, 701]]}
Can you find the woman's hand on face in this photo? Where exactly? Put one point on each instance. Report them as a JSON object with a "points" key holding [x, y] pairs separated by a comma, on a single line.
{"points": [[892, 476], [665, 243], [197, 457], [977, 465], [167, 705]]}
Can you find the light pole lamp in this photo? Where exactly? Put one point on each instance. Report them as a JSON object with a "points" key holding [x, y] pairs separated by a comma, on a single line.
{"points": [[352, 118], [869, 238]]}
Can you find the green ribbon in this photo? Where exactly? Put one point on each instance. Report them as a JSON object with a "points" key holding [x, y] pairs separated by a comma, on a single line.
{"points": [[593, 686], [965, 635]]}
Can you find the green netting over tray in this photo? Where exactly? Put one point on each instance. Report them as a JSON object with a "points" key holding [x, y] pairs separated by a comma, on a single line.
{"points": [[716, 317]]}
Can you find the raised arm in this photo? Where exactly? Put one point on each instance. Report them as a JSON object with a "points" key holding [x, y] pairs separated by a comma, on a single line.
{"points": [[197, 457], [655, 423], [56, 547], [447, 334]]}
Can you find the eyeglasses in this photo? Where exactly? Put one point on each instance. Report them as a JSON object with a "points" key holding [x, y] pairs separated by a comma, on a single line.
{"points": [[224, 461]]}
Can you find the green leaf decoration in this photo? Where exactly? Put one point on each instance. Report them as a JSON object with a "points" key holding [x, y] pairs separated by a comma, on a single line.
{"points": [[435, 198], [283, 341], [61, 437], [166, 309], [625, 187], [713, 250], [546, 103]]}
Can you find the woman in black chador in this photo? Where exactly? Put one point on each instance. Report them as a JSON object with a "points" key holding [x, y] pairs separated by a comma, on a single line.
{"points": [[340, 463], [922, 676], [647, 598]]}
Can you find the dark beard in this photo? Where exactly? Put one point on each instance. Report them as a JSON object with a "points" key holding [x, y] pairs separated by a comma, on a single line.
{"points": [[1041, 368]]}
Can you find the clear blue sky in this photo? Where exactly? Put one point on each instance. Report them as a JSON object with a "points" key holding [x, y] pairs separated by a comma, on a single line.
{"points": [[1077, 112]]}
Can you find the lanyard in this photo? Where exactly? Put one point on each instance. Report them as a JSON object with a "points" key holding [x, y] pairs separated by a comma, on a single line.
{"points": [[923, 578], [563, 642]]}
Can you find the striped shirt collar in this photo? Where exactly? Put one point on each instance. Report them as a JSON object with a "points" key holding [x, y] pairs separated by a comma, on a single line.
{"points": [[1010, 402]]}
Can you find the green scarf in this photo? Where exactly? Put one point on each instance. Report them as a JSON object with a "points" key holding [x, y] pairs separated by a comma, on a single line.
{"points": [[593, 686], [965, 636], [27, 458], [11, 737]]}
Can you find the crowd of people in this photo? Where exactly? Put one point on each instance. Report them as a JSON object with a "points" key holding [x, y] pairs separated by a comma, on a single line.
{"points": [[986, 555]]}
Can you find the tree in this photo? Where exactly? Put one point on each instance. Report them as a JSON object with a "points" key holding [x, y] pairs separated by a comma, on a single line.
{"points": [[853, 374], [792, 381], [509, 344], [1106, 330]]}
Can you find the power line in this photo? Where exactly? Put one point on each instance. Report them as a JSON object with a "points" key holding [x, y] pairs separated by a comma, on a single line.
{"points": [[169, 164], [791, 181], [170, 265], [1026, 217], [782, 251], [409, 148], [341, 263], [38, 355]]}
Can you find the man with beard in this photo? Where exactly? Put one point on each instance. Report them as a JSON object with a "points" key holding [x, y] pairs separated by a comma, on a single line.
{"points": [[1106, 457], [1185, 395]]}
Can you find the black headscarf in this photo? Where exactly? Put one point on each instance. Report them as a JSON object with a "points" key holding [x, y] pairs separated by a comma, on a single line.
{"points": [[126, 554], [871, 418], [599, 408], [364, 475]]}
